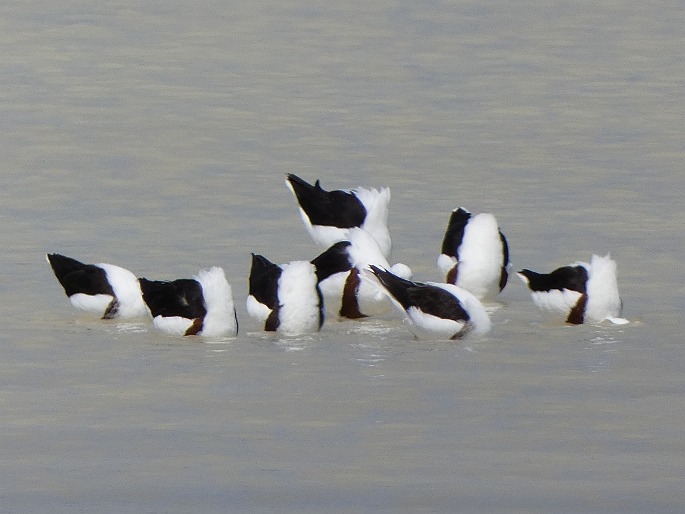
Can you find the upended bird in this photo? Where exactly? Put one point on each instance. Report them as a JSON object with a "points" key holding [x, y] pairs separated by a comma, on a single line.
{"points": [[200, 306], [578, 293], [285, 298], [340, 269], [474, 254], [104, 289], [435, 310], [328, 215]]}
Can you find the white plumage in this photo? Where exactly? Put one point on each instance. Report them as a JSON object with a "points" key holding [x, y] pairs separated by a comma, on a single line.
{"points": [[299, 301], [220, 319], [577, 293], [127, 291], [201, 306], [556, 302], [474, 254], [367, 298], [95, 304], [104, 289], [432, 326], [285, 298], [377, 202], [257, 310], [434, 310], [604, 301], [329, 215]]}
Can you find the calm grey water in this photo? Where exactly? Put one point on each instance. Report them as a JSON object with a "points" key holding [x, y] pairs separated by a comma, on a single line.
{"points": [[156, 136]]}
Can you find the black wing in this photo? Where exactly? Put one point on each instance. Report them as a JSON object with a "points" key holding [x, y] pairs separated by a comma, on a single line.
{"points": [[396, 286], [336, 208], [454, 234], [77, 277], [263, 282], [438, 302], [429, 299], [181, 297], [573, 278], [332, 261]]}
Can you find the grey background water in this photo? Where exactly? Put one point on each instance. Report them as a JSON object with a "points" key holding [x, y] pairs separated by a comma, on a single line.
{"points": [[156, 136]]}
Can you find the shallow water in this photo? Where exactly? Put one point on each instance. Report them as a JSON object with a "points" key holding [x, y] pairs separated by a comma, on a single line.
{"points": [[157, 137]]}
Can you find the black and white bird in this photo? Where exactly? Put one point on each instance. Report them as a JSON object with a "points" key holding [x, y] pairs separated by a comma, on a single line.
{"points": [[262, 296], [286, 298], [475, 254], [201, 306], [435, 310], [103, 289], [328, 215], [339, 270], [577, 293]]}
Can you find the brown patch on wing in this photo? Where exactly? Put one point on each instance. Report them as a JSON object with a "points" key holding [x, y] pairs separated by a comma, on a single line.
{"points": [[272, 322], [452, 275], [112, 310], [577, 314], [350, 303], [195, 327]]}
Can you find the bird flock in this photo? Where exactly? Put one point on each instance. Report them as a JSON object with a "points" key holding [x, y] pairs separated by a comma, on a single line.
{"points": [[351, 279]]}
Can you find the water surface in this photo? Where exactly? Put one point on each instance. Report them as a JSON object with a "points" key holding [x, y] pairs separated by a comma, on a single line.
{"points": [[157, 137]]}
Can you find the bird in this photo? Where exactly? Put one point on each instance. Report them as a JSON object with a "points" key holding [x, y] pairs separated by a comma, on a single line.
{"points": [[328, 215], [434, 310], [201, 306], [104, 289], [475, 254], [339, 271], [262, 296], [578, 293], [286, 298]]}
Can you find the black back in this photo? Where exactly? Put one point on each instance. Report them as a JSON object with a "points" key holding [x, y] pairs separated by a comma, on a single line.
{"points": [[454, 234], [263, 281], [330, 208], [77, 277], [182, 297], [429, 299], [332, 261], [573, 278]]}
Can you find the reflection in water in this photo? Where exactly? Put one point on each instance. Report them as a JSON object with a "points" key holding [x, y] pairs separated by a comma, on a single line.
{"points": [[371, 354], [368, 327], [600, 351], [295, 343], [134, 328]]}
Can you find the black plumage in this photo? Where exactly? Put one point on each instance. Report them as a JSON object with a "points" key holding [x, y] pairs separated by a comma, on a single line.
{"points": [[428, 298], [454, 234], [504, 275], [334, 260], [335, 208], [263, 281], [77, 277], [182, 297], [573, 278]]}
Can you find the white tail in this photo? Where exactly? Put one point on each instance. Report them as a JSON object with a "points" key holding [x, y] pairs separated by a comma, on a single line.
{"points": [[218, 295]]}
